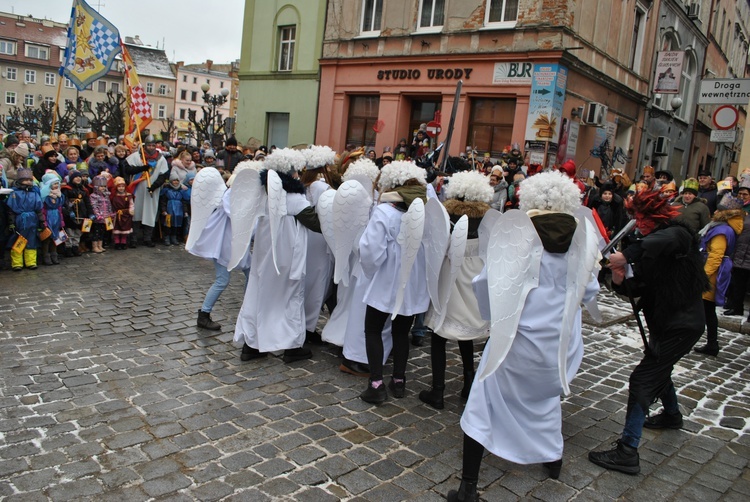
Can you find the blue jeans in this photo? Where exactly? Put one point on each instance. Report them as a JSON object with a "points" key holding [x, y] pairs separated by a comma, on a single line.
{"points": [[419, 329], [219, 285], [636, 416]]}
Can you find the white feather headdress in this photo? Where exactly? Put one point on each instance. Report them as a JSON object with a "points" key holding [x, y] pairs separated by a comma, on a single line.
{"points": [[551, 191], [318, 156], [469, 186], [399, 172], [285, 160], [364, 166]]}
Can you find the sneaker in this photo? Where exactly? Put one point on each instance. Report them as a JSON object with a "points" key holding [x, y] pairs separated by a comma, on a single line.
{"points": [[397, 388], [622, 458], [374, 396], [664, 420]]}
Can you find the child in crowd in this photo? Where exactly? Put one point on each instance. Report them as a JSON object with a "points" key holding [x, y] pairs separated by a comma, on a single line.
{"points": [[102, 213], [78, 209], [100, 163], [124, 209], [172, 205], [27, 220], [53, 203]]}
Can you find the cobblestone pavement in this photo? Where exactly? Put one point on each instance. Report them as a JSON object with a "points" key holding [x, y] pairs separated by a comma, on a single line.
{"points": [[108, 391]]}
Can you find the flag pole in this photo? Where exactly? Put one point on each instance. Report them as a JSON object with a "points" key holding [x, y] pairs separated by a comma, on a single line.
{"points": [[143, 156]]}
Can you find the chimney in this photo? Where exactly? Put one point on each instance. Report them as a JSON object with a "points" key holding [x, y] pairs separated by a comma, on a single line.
{"points": [[137, 40], [209, 64], [180, 64]]}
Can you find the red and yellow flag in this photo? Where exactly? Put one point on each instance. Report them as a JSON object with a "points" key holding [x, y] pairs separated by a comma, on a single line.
{"points": [[139, 108]]}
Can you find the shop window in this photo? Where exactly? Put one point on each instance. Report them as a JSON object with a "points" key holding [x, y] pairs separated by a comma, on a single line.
{"points": [[501, 13], [491, 124], [431, 13], [372, 11], [287, 36], [363, 114], [422, 112]]}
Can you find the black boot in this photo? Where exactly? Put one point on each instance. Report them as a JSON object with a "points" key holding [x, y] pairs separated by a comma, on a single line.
{"points": [[314, 338], [433, 397], [554, 468], [204, 321], [707, 349], [622, 458], [467, 492], [468, 381], [292, 355], [664, 420], [249, 353]]}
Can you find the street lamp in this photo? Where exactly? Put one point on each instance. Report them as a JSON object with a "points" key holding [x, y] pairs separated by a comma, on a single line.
{"points": [[211, 114]]}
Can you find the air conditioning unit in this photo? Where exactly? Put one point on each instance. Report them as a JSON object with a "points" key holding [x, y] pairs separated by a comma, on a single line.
{"points": [[661, 146], [694, 10], [594, 114]]}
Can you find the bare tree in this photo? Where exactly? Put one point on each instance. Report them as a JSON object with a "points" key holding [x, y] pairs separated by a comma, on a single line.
{"points": [[168, 129]]}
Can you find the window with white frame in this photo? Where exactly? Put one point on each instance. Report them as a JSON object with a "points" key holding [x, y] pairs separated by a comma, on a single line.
{"points": [[501, 13], [28, 100], [287, 36], [149, 87], [431, 13], [372, 12], [29, 77], [50, 78], [161, 112], [11, 73], [163, 89], [687, 85], [639, 34], [37, 52], [10, 98], [115, 88], [7, 47], [101, 86], [68, 83], [49, 101]]}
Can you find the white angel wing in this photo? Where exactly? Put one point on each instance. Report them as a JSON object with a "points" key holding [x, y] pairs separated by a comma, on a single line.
{"points": [[456, 251], [437, 236], [514, 255], [410, 240], [324, 208], [276, 209], [208, 189], [247, 201], [364, 180], [583, 258], [581, 213], [351, 211], [485, 227]]}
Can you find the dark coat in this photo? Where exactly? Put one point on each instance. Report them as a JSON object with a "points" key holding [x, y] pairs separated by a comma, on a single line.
{"points": [[709, 195], [741, 257]]}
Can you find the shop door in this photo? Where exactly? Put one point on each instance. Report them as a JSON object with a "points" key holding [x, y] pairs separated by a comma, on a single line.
{"points": [[278, 129]]}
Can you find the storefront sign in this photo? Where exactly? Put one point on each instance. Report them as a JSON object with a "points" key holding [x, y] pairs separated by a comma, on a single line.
{"points": [[546, 104], [668, 72], [512, 73], [432, 74]]}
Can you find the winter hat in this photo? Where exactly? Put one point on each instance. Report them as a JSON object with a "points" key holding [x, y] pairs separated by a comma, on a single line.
{"points": [[188, 178], [231, 141], [51, 175], [285, 161], [319, 156], [100, 181], [11, 141], [119, 181], [549, 191], [209, 153], [690, 185], [24, 174], [569, 168], [728, 202], [469, 186], [22, 149], [260, 155], [663, 173], [704, 172], [46, 186], [73, 174], [173, 175], [399, 172], [745, 183]]}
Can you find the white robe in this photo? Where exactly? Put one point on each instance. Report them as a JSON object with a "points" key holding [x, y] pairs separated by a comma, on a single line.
{"points": [[272, 316], [380, 256], [215, 242], [515, 413], [147, 205], [319, 271], [463, 320]]}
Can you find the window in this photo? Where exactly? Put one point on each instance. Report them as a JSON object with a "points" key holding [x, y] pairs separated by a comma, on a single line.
{"points": [[28, 100], [11, 73], [182, 114], [7, 47], [149, 87], [687, 84], [29, 77], [372, 11], [183, 95], [363, 113], [163, 89], [37, 52], [491, 124], [101, 86], [221, 85], [49, 101], [194, 96], [68, 83], [286, 47], [10, 98], [639, 32], [422, 111], [431, 13], [184, 78], [86, 105], [208, 81], [115, 88], [161, 112], [195, 80], [50, 78], [501, 11]]}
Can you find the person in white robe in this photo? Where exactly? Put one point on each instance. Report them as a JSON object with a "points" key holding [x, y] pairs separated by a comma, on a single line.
{"points": [[515, 412]]}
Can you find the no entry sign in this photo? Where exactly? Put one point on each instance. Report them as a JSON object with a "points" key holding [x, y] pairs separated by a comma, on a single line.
{"points": [[433, 129]]}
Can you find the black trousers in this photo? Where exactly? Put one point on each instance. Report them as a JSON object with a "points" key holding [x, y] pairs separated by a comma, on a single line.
{"points": [[437, 358], [400, 327], [738, 289]]}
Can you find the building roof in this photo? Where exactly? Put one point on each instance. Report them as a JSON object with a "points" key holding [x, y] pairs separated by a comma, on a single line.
{"points": [[201, 69], [27, 28], [150, 61]]}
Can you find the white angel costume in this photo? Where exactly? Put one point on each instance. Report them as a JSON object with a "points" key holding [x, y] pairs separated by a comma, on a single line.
{"points": [[319, 268], [147, 205]]}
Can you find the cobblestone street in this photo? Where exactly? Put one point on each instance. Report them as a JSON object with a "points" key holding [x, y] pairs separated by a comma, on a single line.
{"points": [[108, 391]]}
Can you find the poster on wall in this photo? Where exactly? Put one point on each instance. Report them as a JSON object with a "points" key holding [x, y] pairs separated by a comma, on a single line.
{"points": [[572, 140], [544, 120], [668, 72]]}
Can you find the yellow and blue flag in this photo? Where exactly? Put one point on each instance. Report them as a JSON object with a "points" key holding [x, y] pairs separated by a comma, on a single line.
{"points": [[93, 43]]}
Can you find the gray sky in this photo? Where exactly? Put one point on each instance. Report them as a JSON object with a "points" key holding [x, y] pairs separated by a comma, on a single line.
{"points": [[189, 30]]}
